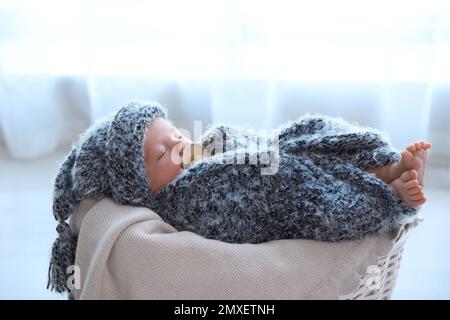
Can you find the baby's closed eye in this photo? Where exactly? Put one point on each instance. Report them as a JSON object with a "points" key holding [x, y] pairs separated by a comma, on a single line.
{"points": [[162, 154]]}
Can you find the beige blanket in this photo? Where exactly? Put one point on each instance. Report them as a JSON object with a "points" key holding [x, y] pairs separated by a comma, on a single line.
{"points": [[127, 252]]}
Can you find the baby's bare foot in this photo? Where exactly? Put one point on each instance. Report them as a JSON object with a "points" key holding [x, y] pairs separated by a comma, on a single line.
{"points": [[408, 188], [415, 157]]}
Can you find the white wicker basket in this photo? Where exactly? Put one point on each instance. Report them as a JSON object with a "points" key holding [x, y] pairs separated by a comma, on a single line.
{"points": [[379, 282]]}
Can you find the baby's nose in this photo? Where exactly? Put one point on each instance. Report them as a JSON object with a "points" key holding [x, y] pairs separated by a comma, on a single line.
{"points": [[177, 150], [175, 142]]}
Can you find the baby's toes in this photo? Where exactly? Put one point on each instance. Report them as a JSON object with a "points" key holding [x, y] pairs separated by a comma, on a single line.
{"points": [[420, 202], [417, 196], [424, 145], [414, 191], [411, 147], [418, 145], [412, 184]]}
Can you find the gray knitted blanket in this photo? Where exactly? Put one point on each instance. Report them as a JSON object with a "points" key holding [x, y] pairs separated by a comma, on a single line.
{"points": [[306, 180]]}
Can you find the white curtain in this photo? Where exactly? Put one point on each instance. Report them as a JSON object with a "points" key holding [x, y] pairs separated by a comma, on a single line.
{"points": [[382, 63]]}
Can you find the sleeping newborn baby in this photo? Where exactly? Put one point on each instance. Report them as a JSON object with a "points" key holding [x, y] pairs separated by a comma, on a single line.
{"points": [[163, 152], [317, 177]]}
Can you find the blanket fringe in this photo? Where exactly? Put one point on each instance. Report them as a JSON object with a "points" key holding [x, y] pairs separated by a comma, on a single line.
{"points": [[63, 256]]}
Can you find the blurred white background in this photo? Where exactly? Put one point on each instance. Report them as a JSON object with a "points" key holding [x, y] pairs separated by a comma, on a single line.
{"points": [[64, 64]]}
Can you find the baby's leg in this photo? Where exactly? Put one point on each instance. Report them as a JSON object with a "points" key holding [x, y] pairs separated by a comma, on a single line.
{"points": [[387, 173]]}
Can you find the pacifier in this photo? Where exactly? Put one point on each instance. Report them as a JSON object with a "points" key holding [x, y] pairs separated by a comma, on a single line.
{"points": [[191, 153]]}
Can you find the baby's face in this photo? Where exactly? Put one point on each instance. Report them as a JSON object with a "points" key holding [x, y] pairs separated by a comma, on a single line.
{"points": [[163, 145]]}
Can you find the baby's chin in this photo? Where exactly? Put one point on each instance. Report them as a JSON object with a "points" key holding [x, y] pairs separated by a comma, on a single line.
{"points": [[176, 176]]}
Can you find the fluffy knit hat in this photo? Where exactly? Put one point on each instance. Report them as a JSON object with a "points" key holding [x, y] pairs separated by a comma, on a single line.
{"points": [[107, 161]]}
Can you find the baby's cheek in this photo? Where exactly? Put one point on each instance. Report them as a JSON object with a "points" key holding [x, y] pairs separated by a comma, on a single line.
{"points": [[171, 171]]}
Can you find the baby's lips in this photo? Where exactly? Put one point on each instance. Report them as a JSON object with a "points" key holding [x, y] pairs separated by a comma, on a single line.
{"points": [[192, 152]]}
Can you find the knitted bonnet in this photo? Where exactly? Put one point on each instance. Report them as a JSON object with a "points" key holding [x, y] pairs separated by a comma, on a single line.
{"points": [[107, 161]]}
